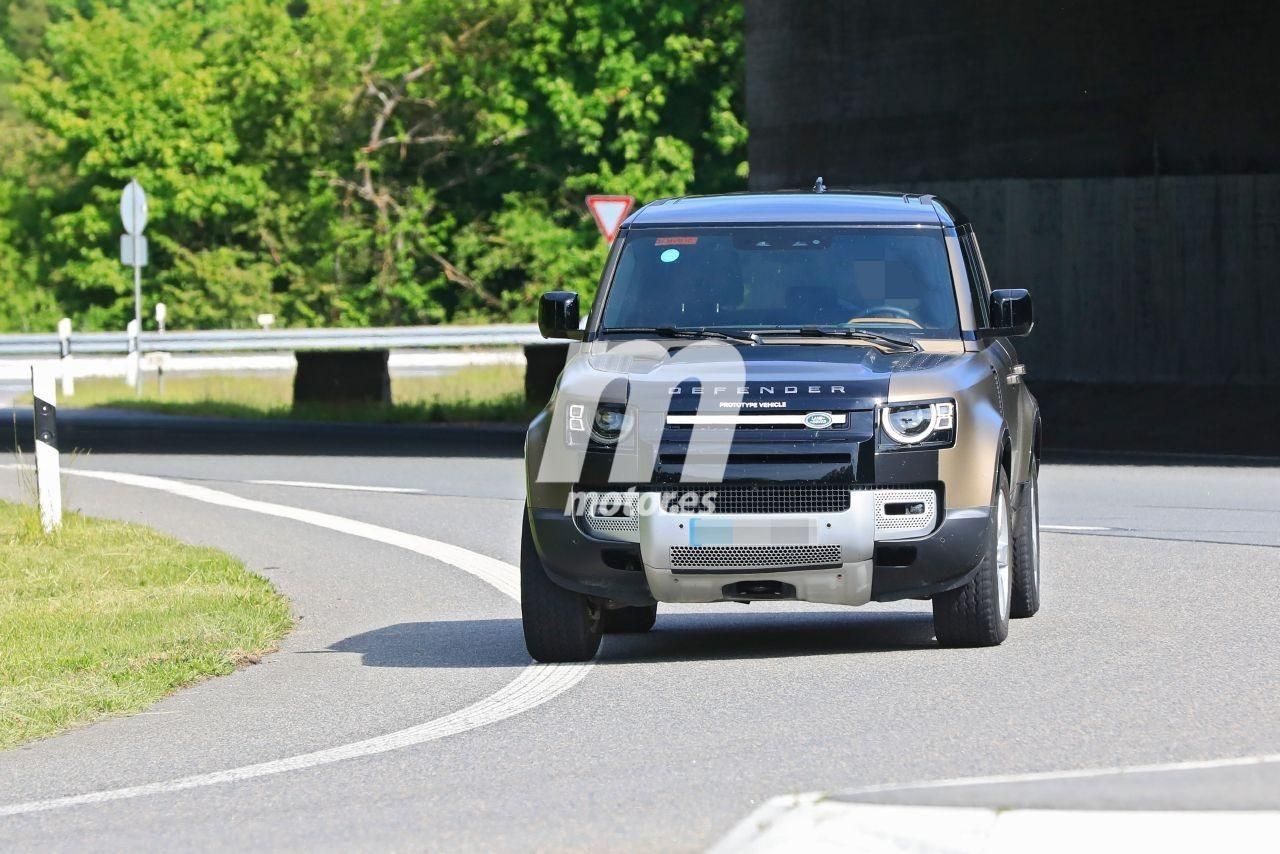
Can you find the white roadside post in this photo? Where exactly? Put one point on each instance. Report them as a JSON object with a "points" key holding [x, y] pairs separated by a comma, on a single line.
{"points": [[161, 314], [157, 360], [133, 253], [64, 348], [48, 480], [131, 371]]}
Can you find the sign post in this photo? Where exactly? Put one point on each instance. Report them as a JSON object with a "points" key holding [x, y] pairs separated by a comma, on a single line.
{"points": [[133, 252], [609, 212]]}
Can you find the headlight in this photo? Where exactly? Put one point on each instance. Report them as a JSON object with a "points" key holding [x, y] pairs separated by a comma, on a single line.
{"points": [[609, 422], [605, 426], [916, 424]]}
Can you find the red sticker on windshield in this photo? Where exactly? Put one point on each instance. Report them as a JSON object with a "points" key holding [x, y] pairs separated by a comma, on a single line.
{"points": [[675, 241]]}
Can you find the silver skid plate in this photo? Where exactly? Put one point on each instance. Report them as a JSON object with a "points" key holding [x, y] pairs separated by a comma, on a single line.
{"points": [[826, 557]]}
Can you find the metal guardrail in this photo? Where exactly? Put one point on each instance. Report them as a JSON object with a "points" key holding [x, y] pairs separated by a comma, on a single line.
{"points": [[263, 341]]}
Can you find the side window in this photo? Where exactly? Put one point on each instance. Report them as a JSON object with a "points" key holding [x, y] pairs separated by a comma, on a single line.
{"points": [[978, 288]]}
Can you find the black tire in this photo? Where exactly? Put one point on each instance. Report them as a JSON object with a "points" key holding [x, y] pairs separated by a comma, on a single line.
{"points": [[1026, 551], [625, 620], [559, 624], [974, 615]]}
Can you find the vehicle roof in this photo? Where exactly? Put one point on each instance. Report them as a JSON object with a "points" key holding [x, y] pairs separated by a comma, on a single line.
{"points": [[834, 207]]}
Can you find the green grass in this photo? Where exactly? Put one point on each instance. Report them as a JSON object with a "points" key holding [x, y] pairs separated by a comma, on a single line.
{"points": [[489, 393], [104, 618]]}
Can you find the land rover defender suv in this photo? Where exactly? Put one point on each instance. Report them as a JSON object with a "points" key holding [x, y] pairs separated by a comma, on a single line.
{"points": [[796, 395]]}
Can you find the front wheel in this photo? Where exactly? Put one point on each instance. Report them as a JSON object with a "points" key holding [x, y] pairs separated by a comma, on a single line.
{"points": [[977, 614], [559, 624], [1026, 550]]}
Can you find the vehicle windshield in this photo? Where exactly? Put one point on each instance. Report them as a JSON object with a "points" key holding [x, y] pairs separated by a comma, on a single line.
{"points": [[887, 280]]}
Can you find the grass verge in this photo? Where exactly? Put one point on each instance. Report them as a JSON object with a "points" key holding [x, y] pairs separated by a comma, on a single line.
{"points": [[104, 618], [486, 393]]}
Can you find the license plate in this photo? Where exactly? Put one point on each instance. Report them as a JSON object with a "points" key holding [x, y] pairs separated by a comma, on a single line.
{"points": [[752, 532]]}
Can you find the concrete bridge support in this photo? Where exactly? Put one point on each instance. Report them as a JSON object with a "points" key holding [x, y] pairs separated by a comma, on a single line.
{"points": [[1119, 160]]}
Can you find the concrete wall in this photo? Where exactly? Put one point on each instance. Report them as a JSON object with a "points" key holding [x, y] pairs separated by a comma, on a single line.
{"points": [[1138, 279], [1122, 161]]}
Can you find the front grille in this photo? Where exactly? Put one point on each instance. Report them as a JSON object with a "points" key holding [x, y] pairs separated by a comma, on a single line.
{"points": [[725, 498], [736, 557]]}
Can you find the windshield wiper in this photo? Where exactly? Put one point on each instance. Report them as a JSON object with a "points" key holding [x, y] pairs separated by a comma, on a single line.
{"points": [[700, 332], [900, 345]]}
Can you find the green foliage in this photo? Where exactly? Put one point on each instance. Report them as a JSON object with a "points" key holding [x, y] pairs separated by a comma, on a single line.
{"points": [[336, 162]]}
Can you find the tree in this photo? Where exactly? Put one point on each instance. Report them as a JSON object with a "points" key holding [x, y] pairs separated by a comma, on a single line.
{"points": [[348, 163], [637, 97]]}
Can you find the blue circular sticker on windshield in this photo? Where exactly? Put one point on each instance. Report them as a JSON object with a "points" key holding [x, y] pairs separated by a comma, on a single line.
{"points": [[669, 255]]}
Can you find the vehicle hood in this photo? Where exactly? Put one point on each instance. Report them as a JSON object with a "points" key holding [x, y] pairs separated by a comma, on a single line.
{"points": [[726, 376]]}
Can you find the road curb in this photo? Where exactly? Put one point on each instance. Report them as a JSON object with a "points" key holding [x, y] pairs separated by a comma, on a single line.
{"points": [[813, 822], [123, 430]]}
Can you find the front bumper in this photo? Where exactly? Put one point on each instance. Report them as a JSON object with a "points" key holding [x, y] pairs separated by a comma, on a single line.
{"points": [[868, 569], [818, 557]]}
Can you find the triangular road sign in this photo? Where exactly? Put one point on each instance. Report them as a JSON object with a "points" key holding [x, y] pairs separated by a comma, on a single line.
{"points": [[609, 212]]}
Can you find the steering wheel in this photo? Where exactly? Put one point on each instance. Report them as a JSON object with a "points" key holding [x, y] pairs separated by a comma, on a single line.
{"points": [[886, 315], [890, 310]]}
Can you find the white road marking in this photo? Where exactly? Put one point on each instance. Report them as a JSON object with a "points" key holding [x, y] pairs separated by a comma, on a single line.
{"points": [[498, 574], [811, 823], [535, 685], [1073, 528], [349, 487]]}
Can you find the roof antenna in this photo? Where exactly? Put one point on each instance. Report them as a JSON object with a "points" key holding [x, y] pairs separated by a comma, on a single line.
{"points": [[819, 186]]}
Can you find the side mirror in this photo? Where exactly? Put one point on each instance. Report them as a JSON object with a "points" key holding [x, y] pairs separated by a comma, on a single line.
{"points": [[558, 315], [1011, 314]]}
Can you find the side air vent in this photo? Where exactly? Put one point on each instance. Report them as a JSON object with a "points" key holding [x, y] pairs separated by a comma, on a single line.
{"points": [[902, 514], [612, 516]]}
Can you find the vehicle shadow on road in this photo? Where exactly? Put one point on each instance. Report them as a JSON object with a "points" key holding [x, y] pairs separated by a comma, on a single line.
{"points": [[731, 635], [440, 644], [676, 637]]}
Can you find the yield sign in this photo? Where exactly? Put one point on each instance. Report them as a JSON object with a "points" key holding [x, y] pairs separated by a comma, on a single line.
{"points": [[609, 212]]}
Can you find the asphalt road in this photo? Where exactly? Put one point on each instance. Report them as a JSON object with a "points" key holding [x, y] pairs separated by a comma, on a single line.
{"points": [[1156, 644]]}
